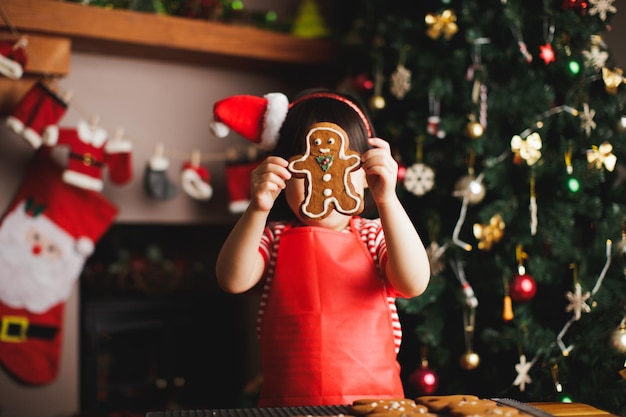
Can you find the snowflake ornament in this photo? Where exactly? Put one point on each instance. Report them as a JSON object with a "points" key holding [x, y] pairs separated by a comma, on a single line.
{"points": [[522, 369], [419, 179], [601, 8], [586, 119], [578, 301], [435, 257], [400, 82], [595, 57]]}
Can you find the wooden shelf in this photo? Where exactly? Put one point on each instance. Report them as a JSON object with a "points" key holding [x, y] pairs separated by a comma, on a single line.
{"points": [[163, 37]]}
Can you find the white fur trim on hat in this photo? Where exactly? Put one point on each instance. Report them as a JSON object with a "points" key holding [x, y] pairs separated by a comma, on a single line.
{"points": [[219, 129], [277, 107], [84, 246]]}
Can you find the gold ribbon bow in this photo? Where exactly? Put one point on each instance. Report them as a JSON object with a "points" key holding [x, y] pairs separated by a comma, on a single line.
{"points": [[612, 79], [488, 234], [602, 155], [528, 149], [445, 24]]}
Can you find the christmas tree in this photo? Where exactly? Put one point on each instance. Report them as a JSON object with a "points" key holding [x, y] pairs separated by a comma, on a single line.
{"points": [[507, 118]]}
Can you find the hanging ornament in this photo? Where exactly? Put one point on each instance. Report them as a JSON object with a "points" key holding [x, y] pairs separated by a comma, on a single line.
{"points": [[507, 308], [547, 53], [401, 78], [517, 34], [522, 286], [612, 80], [419, 178], [595, 57], [434, 120], [602, 156], [578, 301], [442, 24], [470, 359], [577, 5], [601, 8], [490, 233], [435, 255], [618, 339], [423, 379], [474, 129], [555, 378], [527, 149], [586, 119], [362, 82], [522, 369], [377, 101], [532, 205]]}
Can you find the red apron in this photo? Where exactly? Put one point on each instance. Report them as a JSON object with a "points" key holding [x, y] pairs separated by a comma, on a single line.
{"points": [[326, 333]]}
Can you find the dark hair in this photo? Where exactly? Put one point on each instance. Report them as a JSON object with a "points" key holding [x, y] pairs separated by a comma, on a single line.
{"points": [[307, 111]]}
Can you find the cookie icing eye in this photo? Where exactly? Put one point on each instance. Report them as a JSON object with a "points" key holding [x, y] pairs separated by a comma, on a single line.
{"points": [[317, 141], [331, 141]]}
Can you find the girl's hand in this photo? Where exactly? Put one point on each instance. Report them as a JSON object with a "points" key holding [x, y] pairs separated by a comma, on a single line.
{"points": [[381, 170], [267, 181]]}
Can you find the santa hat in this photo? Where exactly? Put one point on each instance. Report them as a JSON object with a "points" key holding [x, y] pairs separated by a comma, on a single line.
{"points": [[257, 119], [83, 214], [13, 58]]}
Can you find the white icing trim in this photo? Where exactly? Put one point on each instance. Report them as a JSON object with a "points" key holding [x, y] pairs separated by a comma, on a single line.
{"points": [[82, 180]]}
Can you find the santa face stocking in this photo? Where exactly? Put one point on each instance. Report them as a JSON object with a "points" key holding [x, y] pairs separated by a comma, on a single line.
{"points": [[46, 235], [39, 108]]}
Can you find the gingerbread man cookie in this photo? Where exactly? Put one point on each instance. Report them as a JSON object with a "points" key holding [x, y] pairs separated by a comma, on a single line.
{"points": [[326, 166]]}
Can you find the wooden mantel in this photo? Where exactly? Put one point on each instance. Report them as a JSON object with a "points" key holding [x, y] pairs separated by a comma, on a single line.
{"points": [[164, 37]]}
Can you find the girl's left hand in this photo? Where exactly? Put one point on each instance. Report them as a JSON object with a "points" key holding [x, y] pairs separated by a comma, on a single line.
{"points": [[381, 170]]}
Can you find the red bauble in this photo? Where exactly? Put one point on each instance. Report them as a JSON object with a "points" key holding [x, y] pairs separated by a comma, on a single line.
{"points": [[401, 172], [424, 380], [522, 288], [361, 82]]}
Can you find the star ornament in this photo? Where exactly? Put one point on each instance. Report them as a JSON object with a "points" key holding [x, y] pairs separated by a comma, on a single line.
{"points": [[612, 79], [522, 369], [528, 149], [578, 302], [602, 156], [547, 53]]}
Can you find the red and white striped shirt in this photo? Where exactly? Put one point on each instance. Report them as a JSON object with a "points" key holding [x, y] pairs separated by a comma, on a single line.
{"points": [[372, 235]]}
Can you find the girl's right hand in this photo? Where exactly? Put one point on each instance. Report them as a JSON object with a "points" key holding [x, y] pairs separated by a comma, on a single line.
{"points": [[267, 181]]}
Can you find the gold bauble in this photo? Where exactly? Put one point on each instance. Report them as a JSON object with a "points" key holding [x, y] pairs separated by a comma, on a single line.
{"points": [[377, 102], [474, 130], [468, 184], [469, 361]]}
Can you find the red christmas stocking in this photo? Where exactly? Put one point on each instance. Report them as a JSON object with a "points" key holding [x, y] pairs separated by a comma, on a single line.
{"points": [[118, 158], [238, 185], [13, 59], [40, 107], [46, 234]]}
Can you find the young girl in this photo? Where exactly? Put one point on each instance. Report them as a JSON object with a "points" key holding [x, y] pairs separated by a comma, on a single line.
{"points": [[329, 332]]}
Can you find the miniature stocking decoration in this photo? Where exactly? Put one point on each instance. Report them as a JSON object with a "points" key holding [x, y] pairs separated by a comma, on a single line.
{"points": [[238, 185], [39, 108], [13, 58], [48, 231], [155, 181], [195, 179], [118, 158]]}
